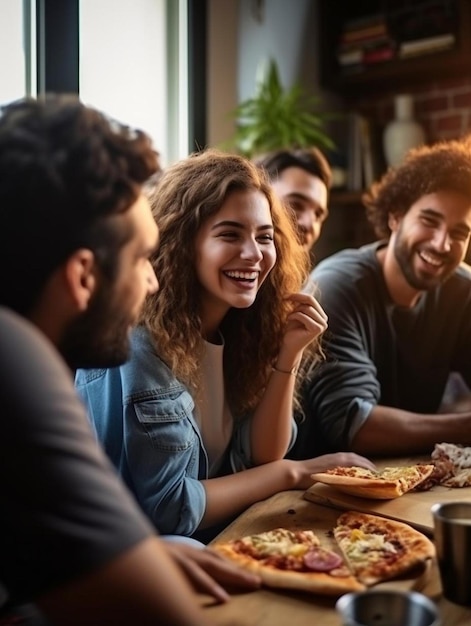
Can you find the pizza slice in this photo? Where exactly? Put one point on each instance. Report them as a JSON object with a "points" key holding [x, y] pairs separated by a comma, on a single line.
{"points": [[378, 549], [292, 559], [385, 484]]}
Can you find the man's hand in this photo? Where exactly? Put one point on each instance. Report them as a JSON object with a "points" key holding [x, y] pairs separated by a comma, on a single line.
{"points": [[207, 570]]}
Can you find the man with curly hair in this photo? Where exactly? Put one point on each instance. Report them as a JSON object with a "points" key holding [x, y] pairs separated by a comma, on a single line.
{"points": [[302, 178], [399, 315]]}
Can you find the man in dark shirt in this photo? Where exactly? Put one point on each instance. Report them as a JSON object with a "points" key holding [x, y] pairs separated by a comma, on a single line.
{"points": [[76, 234], [399, 317]]}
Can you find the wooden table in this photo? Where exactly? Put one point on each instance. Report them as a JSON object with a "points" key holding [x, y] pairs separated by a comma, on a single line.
{"points": [[283, 608]]}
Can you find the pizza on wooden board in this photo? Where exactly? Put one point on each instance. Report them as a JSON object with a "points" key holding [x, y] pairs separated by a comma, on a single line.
{"points": [[292, 559], [369, 549], [385, 484]]}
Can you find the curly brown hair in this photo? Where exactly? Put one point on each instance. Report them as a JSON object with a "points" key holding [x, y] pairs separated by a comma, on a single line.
{"points": [[445, 165], [188, 193]]}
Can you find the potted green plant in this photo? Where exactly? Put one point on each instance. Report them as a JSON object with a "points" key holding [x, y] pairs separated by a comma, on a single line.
{"points": [[276, 118]]}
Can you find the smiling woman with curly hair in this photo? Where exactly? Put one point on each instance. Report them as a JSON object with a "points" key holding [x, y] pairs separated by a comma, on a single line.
{"points": [[200, 418], [190, 193]]}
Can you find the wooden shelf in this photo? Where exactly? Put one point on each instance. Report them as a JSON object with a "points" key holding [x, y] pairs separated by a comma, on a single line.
{"points": [[347, 225], [396, 73]]}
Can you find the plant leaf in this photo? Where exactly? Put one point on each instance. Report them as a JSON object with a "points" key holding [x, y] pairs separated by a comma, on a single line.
{"points": [[277, 118]]}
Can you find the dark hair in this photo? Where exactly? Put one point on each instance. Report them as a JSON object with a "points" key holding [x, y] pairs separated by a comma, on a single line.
{"points": [[309, 159], [65, 168], [445, 165]]}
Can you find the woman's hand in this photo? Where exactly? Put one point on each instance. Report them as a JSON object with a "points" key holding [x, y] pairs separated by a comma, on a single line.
{"points": [[207, 570], [329, 461], [306, 322]]}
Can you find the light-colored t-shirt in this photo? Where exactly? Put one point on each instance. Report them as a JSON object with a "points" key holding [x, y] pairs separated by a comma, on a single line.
{"points": [[212, 411]]}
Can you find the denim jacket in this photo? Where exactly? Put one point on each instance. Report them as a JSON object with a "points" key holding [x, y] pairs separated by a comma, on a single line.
{"points": [[144, 417]]}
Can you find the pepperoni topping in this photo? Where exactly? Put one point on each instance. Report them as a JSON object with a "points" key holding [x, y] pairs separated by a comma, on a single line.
{"points": [[322, 560]]}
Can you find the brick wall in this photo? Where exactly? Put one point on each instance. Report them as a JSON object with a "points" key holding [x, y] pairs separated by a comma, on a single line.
{"points": [[442, 107], [444, 110]]}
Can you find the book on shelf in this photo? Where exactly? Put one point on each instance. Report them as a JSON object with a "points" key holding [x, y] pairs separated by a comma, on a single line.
{"points": [[354, 156], [366, 44], [366, 142], [369, 52], [379, 55], [363, 34], [361, 57], [437, 17], [426, 45], [350, 57], [365, 158], [363, 23]]}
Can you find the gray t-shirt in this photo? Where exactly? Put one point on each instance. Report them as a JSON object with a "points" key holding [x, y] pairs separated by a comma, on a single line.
{"points": [[378, 352], [64, 511]]}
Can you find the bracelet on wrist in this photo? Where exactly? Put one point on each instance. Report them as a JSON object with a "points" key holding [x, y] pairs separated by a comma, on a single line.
{"points": [[293, 371]]}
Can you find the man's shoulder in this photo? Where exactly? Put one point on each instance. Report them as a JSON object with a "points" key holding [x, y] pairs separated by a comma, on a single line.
{"points": [[463, 273], [458, 286], [348, 266], [13, 326], [24, 349]]}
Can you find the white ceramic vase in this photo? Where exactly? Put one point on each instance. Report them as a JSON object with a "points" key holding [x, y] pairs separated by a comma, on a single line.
{"points": [[403, 132]]}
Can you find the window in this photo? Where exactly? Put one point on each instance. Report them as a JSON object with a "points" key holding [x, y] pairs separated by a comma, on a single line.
{"points": [[131, 57], [127, 58], [17, 49]]}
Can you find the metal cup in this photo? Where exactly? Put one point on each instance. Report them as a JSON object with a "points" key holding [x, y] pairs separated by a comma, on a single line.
{"points": [[387, 608], [452, 535]]}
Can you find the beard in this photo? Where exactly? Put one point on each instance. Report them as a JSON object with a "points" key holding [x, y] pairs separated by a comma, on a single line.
{"points": [[405, 259], [99, 337]]}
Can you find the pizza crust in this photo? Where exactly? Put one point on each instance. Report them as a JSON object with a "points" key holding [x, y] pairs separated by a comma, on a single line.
{"points": [[314, 582], [378, 485]]}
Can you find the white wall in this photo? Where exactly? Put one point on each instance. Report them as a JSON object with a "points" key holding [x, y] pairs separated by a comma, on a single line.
{"points": [[283, 30], [133, 66], [12, 52], [242, 36]]}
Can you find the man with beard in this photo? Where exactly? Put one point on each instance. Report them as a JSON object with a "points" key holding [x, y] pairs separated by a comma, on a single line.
{"points": [[302, 179], [399, 315], [76, 234]]}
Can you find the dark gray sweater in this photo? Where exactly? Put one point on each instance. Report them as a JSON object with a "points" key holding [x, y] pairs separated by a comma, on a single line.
{"points": [[379, 352]]}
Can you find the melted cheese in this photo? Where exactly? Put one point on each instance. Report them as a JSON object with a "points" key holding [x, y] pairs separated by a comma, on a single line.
{"points": [[409, 472], [360, 545], [394, 473], [282, 542]]}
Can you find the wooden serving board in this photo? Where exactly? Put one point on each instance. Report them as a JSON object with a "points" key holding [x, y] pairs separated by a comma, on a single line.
{"points": [[290, 509], [414, 508]]}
